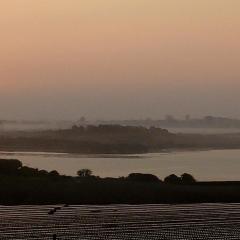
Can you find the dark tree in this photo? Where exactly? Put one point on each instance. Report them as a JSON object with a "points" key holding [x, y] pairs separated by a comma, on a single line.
{"points": [[187, 178], [140, 177], [84, 172], [54, 173], [173, 179], [28, 171], [9, 166]]}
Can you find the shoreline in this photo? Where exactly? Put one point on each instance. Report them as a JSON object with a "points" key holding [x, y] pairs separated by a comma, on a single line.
{"points": [[13, 151]]}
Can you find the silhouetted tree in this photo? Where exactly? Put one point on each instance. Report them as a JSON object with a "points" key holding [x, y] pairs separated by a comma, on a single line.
{"points": [[84, 172], [172, 179], [9, 166], [28, 171], [187, 178], [43, 172], [54, 173], [143, 177]]}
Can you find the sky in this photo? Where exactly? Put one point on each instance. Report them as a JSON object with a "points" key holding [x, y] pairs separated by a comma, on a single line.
{"points": [[119, 59]]}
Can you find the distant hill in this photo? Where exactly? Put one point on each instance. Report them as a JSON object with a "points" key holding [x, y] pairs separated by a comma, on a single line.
{"points": [[111, 139], [187, 122]]}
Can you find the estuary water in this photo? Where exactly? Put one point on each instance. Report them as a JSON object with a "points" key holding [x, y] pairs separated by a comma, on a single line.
{"points": [[209, 165]]}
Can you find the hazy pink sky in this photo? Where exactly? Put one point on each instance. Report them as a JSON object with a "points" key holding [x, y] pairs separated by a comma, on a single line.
{"points": [[119, 58]]}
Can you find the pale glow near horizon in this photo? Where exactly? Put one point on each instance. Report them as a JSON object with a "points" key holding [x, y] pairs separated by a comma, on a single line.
{"points": [[119, 59]]}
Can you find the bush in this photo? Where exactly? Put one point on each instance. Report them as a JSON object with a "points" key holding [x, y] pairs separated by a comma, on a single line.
{"points": [[187, 178], [28, 171], [84, 172], [140, 177], [9, 166], [54, 173], [173, 179]]}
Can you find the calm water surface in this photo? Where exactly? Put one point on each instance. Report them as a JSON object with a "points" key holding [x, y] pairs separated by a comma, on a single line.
{"points": [[204, 165]]}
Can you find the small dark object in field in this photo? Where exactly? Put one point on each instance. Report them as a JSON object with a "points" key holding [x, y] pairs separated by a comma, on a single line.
{"points": [[96, 211], [51, 212]]}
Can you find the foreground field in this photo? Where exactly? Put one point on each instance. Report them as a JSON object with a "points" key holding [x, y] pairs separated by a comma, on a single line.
{"points": [[180, 222]]}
